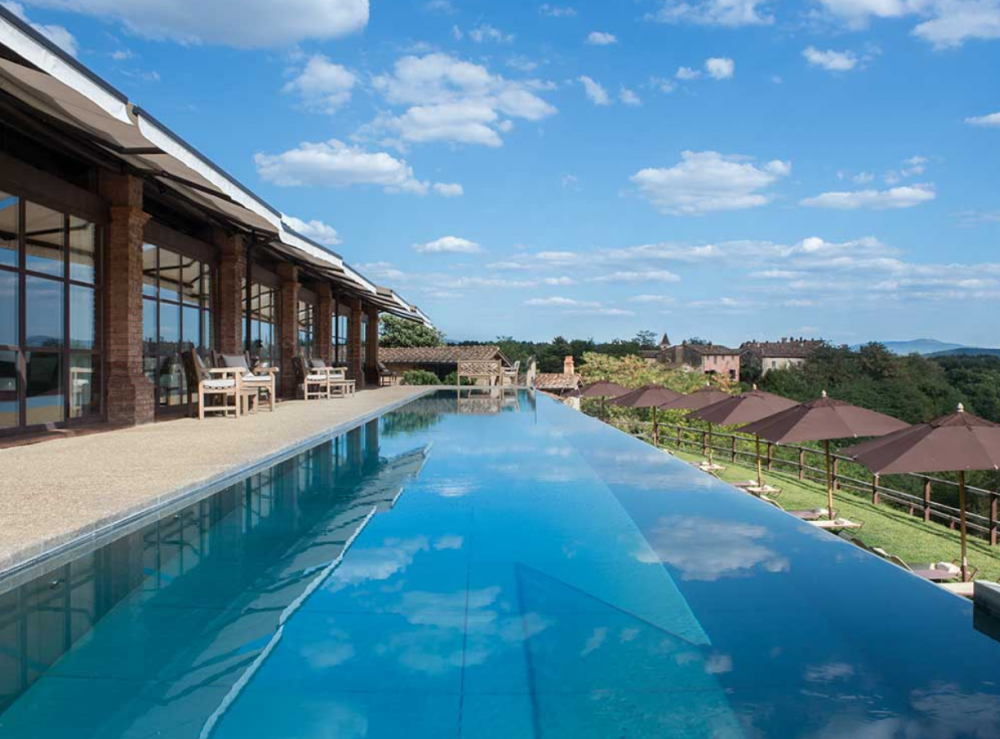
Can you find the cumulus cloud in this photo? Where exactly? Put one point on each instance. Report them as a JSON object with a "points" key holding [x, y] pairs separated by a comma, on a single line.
{"points": [[625, 277], [323, 85], [943, 23], [707, 181], [560, 302], [830, 60], [720, 68], [449, 189], [485, 33], [56, 34], [896, 197], [316, 230], [629, 97], [335, 164], [687, 74], [595, 91], [240, 23], [993, 119], [729, 13], [553, 11], [450, 100], [448, 245], [601, 38]]}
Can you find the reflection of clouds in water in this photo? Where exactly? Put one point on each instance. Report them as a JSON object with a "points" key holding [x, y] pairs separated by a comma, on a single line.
{"points": [[829, 672], [706, 549], [453, 487], [377, 563], [719, 664], [450, 541], [326, 655], [954, 713], [329, 718], [594, 641]]}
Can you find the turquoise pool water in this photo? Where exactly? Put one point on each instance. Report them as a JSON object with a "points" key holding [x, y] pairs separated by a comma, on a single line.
{"points": [[478, 568]]}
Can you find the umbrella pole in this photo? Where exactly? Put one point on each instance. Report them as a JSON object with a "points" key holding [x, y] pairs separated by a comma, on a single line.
{"points": [[829, 480], [656, 429], [760, 470], [602, 407], [711, 463], [961, 509]]}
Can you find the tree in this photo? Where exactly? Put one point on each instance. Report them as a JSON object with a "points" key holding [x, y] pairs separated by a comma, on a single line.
{"points": [[395, 332], [645, 340]]}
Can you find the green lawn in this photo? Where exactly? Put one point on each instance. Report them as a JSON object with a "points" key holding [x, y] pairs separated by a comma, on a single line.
{"points": [[893, 530]]}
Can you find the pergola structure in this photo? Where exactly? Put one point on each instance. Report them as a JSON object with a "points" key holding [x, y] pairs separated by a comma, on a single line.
{"points": [[121, 246]]}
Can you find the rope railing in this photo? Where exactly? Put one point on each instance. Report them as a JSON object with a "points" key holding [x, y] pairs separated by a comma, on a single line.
{"points": [[737, 447]]}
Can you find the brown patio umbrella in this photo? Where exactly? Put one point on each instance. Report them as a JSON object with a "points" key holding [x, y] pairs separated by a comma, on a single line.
{"points": [[748, 407], [822, 420], [697, 400], [601, 389], [959, 442], [648, 396]]}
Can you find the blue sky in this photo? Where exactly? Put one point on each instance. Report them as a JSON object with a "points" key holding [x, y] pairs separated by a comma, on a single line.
{"points": [[730, 169]]}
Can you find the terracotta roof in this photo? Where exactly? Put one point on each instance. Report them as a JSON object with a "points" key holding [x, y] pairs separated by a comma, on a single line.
{"points": [[712, 349], [438, 354], [790, 349], [554, 381]]}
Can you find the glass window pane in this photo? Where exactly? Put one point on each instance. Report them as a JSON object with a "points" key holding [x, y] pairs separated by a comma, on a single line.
{"points": [[170, 275], [171, 380], [44, 388], [170, 327], [192, 327], [191, 281], [8, 229], [44, 305], [8, 308], [206, 330], [8, 390], [44, 237], [206, 286], [82, 249], [149, 270], [82, 317], [84, 385], [149, 327]]}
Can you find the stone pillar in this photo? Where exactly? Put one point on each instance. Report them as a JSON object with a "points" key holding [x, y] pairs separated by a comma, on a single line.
{"points": [[130, 398], [324, 322], [354, 367], [371, 350], [289, 300], [232, 273]]}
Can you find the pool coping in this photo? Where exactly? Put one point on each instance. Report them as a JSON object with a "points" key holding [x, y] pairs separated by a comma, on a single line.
{"points": [[42, 556]]}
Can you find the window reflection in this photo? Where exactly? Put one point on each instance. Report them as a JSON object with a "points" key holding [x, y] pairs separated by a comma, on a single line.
{"points": [[8, 308], [82, 317], [44, 239], [305, 328], [43, 312], [8, 229], [84, 385], [82, 250], [264, 322], [8, 390], [44, 388]]}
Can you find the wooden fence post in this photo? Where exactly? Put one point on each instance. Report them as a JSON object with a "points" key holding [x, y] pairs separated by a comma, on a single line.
{"points": [[770, 447], [993, 520], [734, 448], [927, 499], [802, 464], [680, 438], [836, 474], [704, 443], [875, 496]]}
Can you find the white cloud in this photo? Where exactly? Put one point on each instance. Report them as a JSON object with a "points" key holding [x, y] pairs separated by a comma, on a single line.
{"points": [[651, 299], [730, 13], [448, 245], [595, 91], [486, 33], [831, 61], [601, 38], [628, 97], [632, 277], [663, 84], [240, 23], [897, 197], [335, 164], [559, 302], [323, 85], [553, 11], [571, 182], [558, 257], [863, 178], [705, 182], [440, 6], [522, 64], [686, 73], [454, 101], [122, 55], [720, 68], [993, 119], [508, 265], [383, 271], [449, 189], [943, 23], [315, 230], [56, 34], [559, 281]]}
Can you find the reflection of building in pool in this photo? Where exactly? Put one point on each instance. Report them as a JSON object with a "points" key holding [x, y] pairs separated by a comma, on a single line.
{"points": [[232, 558]]}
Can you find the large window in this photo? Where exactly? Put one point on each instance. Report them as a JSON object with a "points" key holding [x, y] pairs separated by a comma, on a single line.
{"points": [[306, 328], [50, 347], [176, 316], [340, 338], [264, 343]]}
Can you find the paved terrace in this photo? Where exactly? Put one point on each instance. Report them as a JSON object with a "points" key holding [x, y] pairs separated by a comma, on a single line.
{"points": [[65, 490]]}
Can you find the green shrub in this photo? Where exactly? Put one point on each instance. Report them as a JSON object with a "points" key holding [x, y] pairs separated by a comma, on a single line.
{"points": [[452, 379], [420, 377]]}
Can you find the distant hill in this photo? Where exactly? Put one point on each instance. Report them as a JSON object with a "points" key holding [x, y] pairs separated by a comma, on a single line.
{"points": [[922, 346], [968, 351]]}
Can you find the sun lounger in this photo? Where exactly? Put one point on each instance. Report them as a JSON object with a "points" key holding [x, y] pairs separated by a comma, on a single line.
{"points": [[939, 572], [837, 524], [752, 487], [964, 589], [810, 514]]}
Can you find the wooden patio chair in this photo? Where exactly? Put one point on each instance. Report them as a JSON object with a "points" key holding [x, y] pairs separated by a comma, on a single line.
{"points": [[262, 380], [336, 377], [386, 376], [224, 383], [490, 370], [314, 384], [511, 374], [939, 572]]}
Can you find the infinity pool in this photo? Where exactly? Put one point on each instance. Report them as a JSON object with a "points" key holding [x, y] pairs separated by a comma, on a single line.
{"points": [[480, 567]]}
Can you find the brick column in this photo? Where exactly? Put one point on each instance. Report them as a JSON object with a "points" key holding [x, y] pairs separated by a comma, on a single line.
{"points": [[354, 367], [289, 300], [130, 398], [232, 273], [324, 322], [371, 350]]}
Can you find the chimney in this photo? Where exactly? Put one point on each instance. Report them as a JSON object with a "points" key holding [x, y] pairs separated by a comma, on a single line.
{"points": [[568, 368]]}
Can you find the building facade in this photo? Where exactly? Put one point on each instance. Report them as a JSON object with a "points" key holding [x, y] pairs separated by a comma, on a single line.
{"points": [[708, 358], [765, 356], [121, 246]]}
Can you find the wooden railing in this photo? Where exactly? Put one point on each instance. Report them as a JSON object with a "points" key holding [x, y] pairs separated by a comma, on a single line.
{"points": [[800, 461]]}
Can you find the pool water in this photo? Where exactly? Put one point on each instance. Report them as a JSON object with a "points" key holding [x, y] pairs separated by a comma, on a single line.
{"points": [[488, 567]]}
